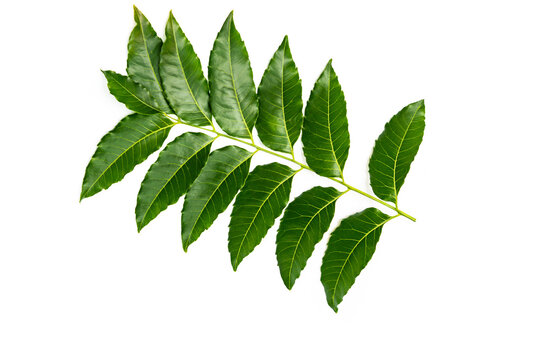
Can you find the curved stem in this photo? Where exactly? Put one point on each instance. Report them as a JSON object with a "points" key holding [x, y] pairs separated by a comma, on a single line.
{"points": [[291, 159]]}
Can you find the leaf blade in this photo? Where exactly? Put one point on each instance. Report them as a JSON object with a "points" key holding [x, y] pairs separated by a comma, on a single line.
{"points": [[306, 220], [350, 248], [395, 150], [262, 199], [131, 141], [325, 133], [131, 94], [144, 47], [216, 186], [233, 98], [185, 86], [280, 116], [177, 166]]}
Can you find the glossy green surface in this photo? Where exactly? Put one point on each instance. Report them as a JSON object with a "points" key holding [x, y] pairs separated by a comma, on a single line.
{"points": [[185, 86], [350, 248], [168, 77], [144, 47], [261, 200], [232, 91], [216, 186], [395, 150], [131, 94], [325, 132], [303, 225], [120, 150], [280, 102], [177, 166]]}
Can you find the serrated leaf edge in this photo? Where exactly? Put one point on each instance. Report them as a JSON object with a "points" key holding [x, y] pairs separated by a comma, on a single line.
{"points": [[168, 181], [126, 150], [303, 232], [236, 263], [185, 246]]}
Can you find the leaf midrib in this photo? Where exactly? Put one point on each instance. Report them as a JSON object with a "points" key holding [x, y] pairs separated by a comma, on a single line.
{"points": [[173, 175], [213, 192], [257, 214], [349, 255], [134, 95], [283, 96], [399, 149], [329, 124], [123, 152], [184, 74], [232, 80], [147, 53], [303, 232]]}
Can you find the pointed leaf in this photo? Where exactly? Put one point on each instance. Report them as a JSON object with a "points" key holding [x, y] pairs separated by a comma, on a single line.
{"points": [[261, 200], [144, 47], [280, 102], [177, 166], [223, 175], [184, 82], [131, 94], [119, 151], [303, 225], [325, 132], [232, 91], [350, 247], [395, 150]]}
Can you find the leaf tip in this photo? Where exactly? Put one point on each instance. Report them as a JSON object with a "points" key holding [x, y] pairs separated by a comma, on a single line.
{"points": [[136, 12], [289, 285]]}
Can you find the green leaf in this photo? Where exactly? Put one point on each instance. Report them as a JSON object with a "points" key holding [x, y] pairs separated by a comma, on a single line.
{"points": [[232, 91], [177, 166], [131, 94], [280, 102], [214, 189], [133, 139], [303, 225], [261, 200], [325, 132], [183, 79], [395, 150], [144, 47], [350, 248]]}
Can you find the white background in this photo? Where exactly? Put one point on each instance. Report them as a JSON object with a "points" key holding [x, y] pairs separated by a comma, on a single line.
{"points": [[78, 282]]}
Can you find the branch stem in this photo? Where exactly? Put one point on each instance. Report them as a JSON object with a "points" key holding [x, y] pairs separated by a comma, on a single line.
{"points": [[292, 159]]}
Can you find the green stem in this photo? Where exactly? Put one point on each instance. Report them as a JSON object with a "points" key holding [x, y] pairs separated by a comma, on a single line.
{"points": [[303, 166]]}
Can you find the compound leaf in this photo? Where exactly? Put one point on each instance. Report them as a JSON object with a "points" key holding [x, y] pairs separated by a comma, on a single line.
{"points": [[183, 79], [303, 225], [261, 200], [232, 91], [325, 132], [350, 248], [395, 150], [280, 102], [216, 186], [177, 166], [144, 47], [133, 139], [131, 94]]}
